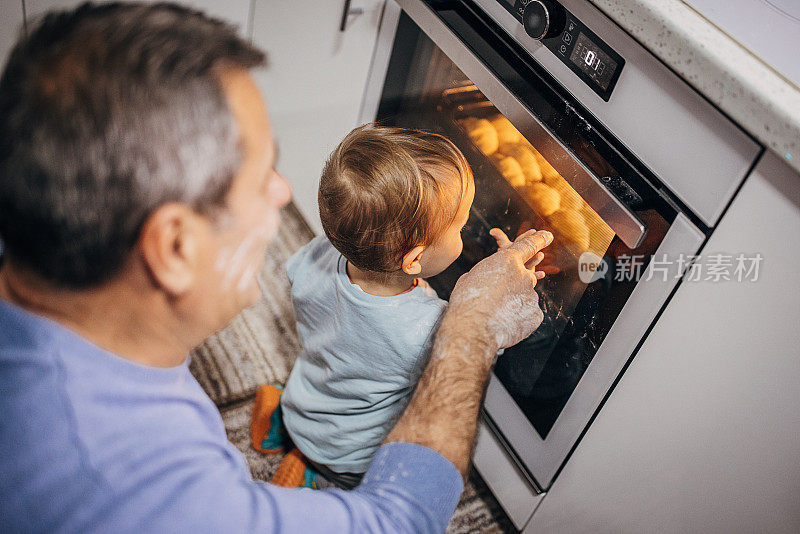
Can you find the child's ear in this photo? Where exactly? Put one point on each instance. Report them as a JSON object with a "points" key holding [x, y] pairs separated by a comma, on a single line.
{"points": [[411, 263]]}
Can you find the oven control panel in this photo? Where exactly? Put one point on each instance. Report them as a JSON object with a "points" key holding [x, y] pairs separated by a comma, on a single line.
{"points": [[578, 47]]}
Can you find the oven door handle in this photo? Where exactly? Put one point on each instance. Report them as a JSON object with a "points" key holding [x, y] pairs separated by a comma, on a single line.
{"points": [[622, 220]]}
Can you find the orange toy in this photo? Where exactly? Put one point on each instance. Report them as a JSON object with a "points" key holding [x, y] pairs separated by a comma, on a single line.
{"points": [[293, 472], [267, 432]]}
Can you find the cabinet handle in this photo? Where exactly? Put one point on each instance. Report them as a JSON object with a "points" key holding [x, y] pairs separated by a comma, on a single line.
{"points": [[346, 12]]}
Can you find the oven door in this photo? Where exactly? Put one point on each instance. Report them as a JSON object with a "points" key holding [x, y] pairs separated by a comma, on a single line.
{"points": [[538, 163]]}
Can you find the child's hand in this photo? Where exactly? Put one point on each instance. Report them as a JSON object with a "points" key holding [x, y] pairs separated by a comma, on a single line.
{"points": [[545, 268], [500, 236]]}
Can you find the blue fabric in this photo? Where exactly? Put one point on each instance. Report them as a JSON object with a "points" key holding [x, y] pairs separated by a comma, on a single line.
{"points": [[362, 356], [92, 442]]}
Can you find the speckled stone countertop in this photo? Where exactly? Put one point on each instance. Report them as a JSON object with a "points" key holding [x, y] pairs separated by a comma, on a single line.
{"points": [[753, 94]]}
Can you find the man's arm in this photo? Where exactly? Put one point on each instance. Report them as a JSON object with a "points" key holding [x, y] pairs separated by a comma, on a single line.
{"points": [[493, 306]]}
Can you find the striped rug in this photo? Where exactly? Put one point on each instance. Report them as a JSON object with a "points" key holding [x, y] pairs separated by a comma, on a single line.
{"points": [[260, 346]]}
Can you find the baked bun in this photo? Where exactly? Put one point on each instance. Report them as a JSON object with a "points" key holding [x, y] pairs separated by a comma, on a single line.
{"points": [[547, 170], [506, 133], [570, 226], [482, 134], [569, 197], [511, 170], [544, 199], [523, 153]]}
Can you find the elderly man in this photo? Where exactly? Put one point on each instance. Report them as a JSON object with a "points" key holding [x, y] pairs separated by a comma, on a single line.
{"points": [[137, 197]]}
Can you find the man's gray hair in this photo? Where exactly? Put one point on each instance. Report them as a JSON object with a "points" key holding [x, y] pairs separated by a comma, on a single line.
{"points": [[106, 113]]}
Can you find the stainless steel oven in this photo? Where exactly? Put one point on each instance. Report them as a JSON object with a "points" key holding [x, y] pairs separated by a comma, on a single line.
{"points": [[571, 126]]}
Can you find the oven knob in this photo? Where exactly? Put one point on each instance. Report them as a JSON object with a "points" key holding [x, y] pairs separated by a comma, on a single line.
{"points": [[543, 18]]}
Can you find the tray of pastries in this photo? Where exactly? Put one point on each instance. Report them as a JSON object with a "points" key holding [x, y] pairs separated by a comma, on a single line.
{"points": [[550, 196]]}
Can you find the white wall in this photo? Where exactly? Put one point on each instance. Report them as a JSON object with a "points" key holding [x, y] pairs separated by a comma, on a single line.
{"points": [[234, 11], [11, 20], [314, 83], [702, 434], [11, 15]]}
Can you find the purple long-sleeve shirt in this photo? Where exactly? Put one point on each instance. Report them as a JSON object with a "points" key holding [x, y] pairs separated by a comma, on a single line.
{"points": [[92, 442]]}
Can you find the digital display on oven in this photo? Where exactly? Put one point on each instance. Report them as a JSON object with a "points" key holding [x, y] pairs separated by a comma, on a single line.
{"points": [[574, 44], [592, 61]]}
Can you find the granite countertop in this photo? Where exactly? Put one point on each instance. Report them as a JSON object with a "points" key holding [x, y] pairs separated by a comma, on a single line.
{"points": [[757, 97]]}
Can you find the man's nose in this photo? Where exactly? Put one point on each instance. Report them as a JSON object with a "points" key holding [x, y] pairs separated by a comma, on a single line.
{"points": [[280, 192]]}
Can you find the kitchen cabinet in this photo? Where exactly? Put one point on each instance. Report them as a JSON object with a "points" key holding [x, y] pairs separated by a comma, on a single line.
{"points": [[314, 83], [10, 24]]}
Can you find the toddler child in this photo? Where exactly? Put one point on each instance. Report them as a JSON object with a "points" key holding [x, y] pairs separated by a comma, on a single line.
{"points": [[393, 203]]}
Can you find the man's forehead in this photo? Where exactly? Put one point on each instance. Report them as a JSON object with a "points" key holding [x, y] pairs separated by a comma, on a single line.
{"points": [[249, 109]]}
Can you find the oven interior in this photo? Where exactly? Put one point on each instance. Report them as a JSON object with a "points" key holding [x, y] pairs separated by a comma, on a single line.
{"points": [[518, 189]]}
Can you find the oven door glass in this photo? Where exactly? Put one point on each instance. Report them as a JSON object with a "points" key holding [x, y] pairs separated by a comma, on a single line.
{"points": [[534, 167], [518, 189]]}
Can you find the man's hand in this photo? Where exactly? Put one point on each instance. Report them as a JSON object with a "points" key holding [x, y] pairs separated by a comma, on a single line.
{"points": [[500, 289], [494, 305]]}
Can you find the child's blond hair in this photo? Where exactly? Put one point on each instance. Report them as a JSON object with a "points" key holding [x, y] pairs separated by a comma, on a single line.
{"points": [[387, 190]]}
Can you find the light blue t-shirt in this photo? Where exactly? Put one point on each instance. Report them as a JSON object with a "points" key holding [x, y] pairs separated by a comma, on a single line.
{"points": [[362, 356]]}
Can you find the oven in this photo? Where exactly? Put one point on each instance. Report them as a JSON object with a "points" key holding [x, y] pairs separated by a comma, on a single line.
{"points": [[570, 126]]}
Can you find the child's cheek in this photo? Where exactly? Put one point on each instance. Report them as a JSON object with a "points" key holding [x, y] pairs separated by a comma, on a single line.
{"points": [[459, 248]]}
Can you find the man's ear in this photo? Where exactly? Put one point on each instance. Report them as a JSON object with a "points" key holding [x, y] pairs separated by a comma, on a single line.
{"points": [[411, 263], [169, 243]]}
